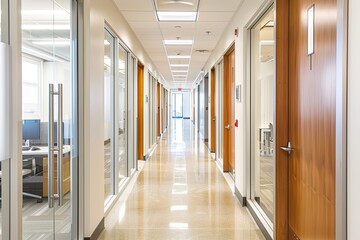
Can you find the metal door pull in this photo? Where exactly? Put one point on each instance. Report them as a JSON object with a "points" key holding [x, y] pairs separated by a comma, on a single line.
{"points": [[288, 148]]}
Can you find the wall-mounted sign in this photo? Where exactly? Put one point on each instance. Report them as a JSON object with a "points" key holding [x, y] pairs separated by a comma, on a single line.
{"points": [[310, 21], [238, 93]]}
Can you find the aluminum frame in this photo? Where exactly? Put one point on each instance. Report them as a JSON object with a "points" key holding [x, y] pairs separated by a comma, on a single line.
{"points": [[341, 118]]}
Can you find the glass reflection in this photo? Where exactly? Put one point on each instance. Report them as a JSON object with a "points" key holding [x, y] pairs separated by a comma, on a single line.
{"points": [[108, 121], [262, 113]]}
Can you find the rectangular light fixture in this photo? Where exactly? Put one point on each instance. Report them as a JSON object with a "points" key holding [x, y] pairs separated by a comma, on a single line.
{"points": [[179, 76], [177, 16], [179, 65], [179, 71], [178, 57], [178, 42], [267, 42]]}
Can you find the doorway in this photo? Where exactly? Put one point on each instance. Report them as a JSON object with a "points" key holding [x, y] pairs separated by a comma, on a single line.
{"points": [[141, 110], [177, 102], [50, 119], [306, 148], [262, 119], [212, 111], [229, 111]]}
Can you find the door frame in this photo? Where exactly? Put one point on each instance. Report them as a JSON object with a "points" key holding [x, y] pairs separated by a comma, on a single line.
{"points": [[212, 110], [77, 28], [158, 113], [228, 98], [282, 114], [140, 110]]}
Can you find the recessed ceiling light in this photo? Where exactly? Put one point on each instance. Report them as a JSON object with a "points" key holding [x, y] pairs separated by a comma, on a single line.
{"points": [[179, 65], [179, 71], [180, 76], [177, 16], [267, 42], [178, 42], [178, 57]]}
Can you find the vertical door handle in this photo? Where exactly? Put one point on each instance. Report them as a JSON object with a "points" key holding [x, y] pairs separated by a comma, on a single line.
{"points": [[60, 144], [51, 147]]}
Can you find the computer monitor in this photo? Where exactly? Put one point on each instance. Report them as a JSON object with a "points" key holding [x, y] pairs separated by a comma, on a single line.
{"points": [[31, 130]]}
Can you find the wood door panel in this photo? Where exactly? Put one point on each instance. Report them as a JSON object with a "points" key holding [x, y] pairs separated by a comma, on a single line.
{"points": [[312, 121], [212, 109], [141, 111], [229, 110]]}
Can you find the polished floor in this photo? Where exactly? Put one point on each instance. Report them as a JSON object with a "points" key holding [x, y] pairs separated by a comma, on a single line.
{"points": [[179, 194]]}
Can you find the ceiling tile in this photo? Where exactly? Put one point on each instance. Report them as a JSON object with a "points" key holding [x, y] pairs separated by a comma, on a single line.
{"points": [[132, 16], [135, 5], [215, 16]]}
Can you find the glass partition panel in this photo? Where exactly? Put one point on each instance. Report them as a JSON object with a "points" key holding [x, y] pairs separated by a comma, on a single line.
{"points": [[109, 50], [121, 115], [262, 114], [49, 126]]}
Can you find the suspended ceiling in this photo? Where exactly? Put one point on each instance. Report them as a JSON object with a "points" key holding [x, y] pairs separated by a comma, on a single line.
{"points": [[213, 16]]}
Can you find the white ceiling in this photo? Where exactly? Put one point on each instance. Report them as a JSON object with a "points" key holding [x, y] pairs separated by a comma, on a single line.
{"points": [[213, 17]]}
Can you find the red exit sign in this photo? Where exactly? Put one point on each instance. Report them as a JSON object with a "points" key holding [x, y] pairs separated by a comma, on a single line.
{"points": [[179, 89]]}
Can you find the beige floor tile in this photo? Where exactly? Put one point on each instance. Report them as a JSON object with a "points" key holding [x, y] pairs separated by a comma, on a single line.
{"points": [[180, 194]]}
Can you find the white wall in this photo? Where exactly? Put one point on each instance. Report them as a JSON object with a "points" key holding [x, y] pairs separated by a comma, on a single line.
{"points": [[353, 122], [240, 20], [96, 13]]}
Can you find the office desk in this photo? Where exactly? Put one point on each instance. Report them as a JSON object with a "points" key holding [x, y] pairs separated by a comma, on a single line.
{"points": [[43, 154]]}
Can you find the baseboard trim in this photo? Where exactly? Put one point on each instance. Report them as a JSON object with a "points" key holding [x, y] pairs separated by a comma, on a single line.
{"points": [[258, 221], [98, 230], [241, 199]]}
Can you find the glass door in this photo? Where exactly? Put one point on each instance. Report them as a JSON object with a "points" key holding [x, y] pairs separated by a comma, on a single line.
{"points": [[178, 105], [49, 127], [4, 122], [262, 115]]}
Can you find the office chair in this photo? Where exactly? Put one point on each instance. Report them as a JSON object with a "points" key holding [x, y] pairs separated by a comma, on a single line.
{"points": [[28, 172]]}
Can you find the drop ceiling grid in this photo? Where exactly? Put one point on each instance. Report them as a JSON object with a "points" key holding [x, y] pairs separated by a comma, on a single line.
{"points": [[214, 16]]}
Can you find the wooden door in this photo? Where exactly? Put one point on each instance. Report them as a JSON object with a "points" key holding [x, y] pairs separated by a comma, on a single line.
{"points": [[229, 110], [141, 110], [158, 109], [212, 112], [312, 100]]}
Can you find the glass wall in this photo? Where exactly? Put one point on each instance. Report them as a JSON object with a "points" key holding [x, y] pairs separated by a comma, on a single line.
{"points": [[177, 102], [219, 71], [109, 52], [120, 69], [132, 113], [121, 115], [49, 126], [4, 122], [262, 114]]}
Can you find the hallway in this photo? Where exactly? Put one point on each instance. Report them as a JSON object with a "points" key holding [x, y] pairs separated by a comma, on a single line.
{"points": [[179, 194]]}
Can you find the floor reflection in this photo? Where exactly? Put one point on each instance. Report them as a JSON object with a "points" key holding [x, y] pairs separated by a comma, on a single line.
{"points": [[180, 194]]}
